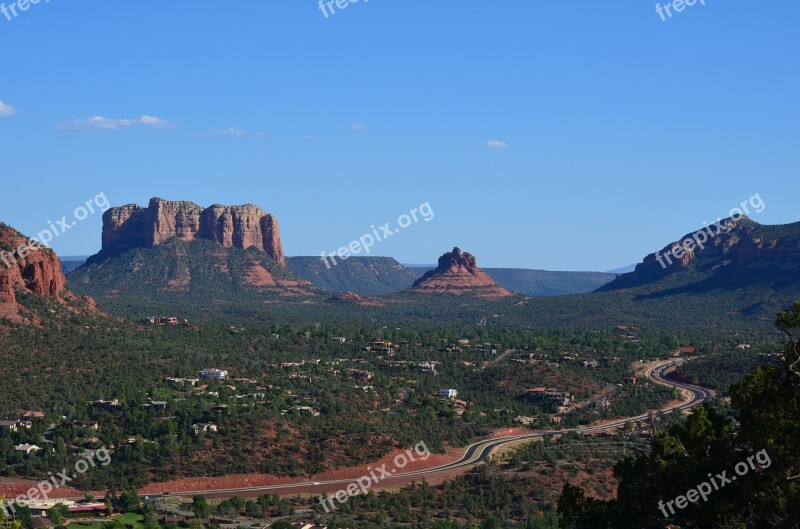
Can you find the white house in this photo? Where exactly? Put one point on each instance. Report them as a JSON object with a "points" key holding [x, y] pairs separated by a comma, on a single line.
{"points": [[448, 393], [27, 448], [217, 374], [204, 427]]}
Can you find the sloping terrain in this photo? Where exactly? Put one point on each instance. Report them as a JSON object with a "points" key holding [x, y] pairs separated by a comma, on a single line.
{"points": [[743, 254], [198, 274], [362, 275]]}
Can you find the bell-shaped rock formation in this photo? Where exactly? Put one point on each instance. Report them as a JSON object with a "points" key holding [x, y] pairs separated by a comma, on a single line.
{"points": [[459, 274]]}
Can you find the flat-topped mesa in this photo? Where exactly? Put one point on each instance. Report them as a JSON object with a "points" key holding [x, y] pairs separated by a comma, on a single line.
{"points": [[132, 226], [458, 273]]}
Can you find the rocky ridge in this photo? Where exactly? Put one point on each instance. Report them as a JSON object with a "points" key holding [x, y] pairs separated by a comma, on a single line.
{"points": [[734, 251]]}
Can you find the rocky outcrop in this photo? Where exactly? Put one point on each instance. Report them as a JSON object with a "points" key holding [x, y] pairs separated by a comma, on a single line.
{"points": [[458, 273], [734, 252], [352, 297], [37, 271], [132, 226]]}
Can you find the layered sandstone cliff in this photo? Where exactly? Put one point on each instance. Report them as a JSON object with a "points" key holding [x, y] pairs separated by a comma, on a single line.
{"points": [[37, 271], [458, 273], [132, 226]]}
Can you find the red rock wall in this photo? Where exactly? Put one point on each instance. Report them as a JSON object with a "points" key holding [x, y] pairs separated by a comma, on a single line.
{"points": [[39, 271], [245, 226]]}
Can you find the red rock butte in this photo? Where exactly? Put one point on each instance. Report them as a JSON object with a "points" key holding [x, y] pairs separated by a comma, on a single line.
{"points": [[38, 272], [458, 273], [132, 226]]}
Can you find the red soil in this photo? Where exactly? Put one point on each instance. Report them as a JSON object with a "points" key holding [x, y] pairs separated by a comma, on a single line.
{"points": [[263, 480], [12, 488]]}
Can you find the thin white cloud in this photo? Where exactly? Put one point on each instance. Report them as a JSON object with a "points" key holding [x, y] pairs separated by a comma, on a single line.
{"points": [[227, 132], [497, 144], [357, 126], [150, 121], [7, 110], [103, 123]]}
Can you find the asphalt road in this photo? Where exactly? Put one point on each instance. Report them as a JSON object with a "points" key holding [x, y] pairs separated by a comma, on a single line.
{"points": [[474, 454]]}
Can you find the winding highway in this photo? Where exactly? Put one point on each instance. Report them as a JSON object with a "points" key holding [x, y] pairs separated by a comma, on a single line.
{"points": [[474, 454]]}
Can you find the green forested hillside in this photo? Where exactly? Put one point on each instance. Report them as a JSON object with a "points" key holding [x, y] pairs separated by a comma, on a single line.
{"points": [[362, 275], [546, 283]]}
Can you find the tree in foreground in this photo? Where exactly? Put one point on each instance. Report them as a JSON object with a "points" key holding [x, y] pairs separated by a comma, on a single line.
{"points": [[715, 470]]}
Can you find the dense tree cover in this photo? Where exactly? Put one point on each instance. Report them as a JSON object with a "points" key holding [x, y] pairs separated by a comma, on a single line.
{"points": [[265, 506], [748, 461], [74, 358], [576, 446], [483, 498], [517, 490], [722, 370]]}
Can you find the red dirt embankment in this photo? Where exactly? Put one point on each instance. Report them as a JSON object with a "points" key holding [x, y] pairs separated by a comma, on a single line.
{"points": [[12, 488], [265, 480], [506, 432]]}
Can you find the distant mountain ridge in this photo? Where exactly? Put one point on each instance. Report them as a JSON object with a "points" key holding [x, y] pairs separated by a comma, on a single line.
{"points": [[741, 280], [361, 275], [743, 254], [548, 283], [622, 270], [371, 276], [70, 263], [741, 275]]}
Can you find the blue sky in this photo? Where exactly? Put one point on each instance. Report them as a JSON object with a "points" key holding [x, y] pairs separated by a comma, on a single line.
{"points": [[621, 131]]}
